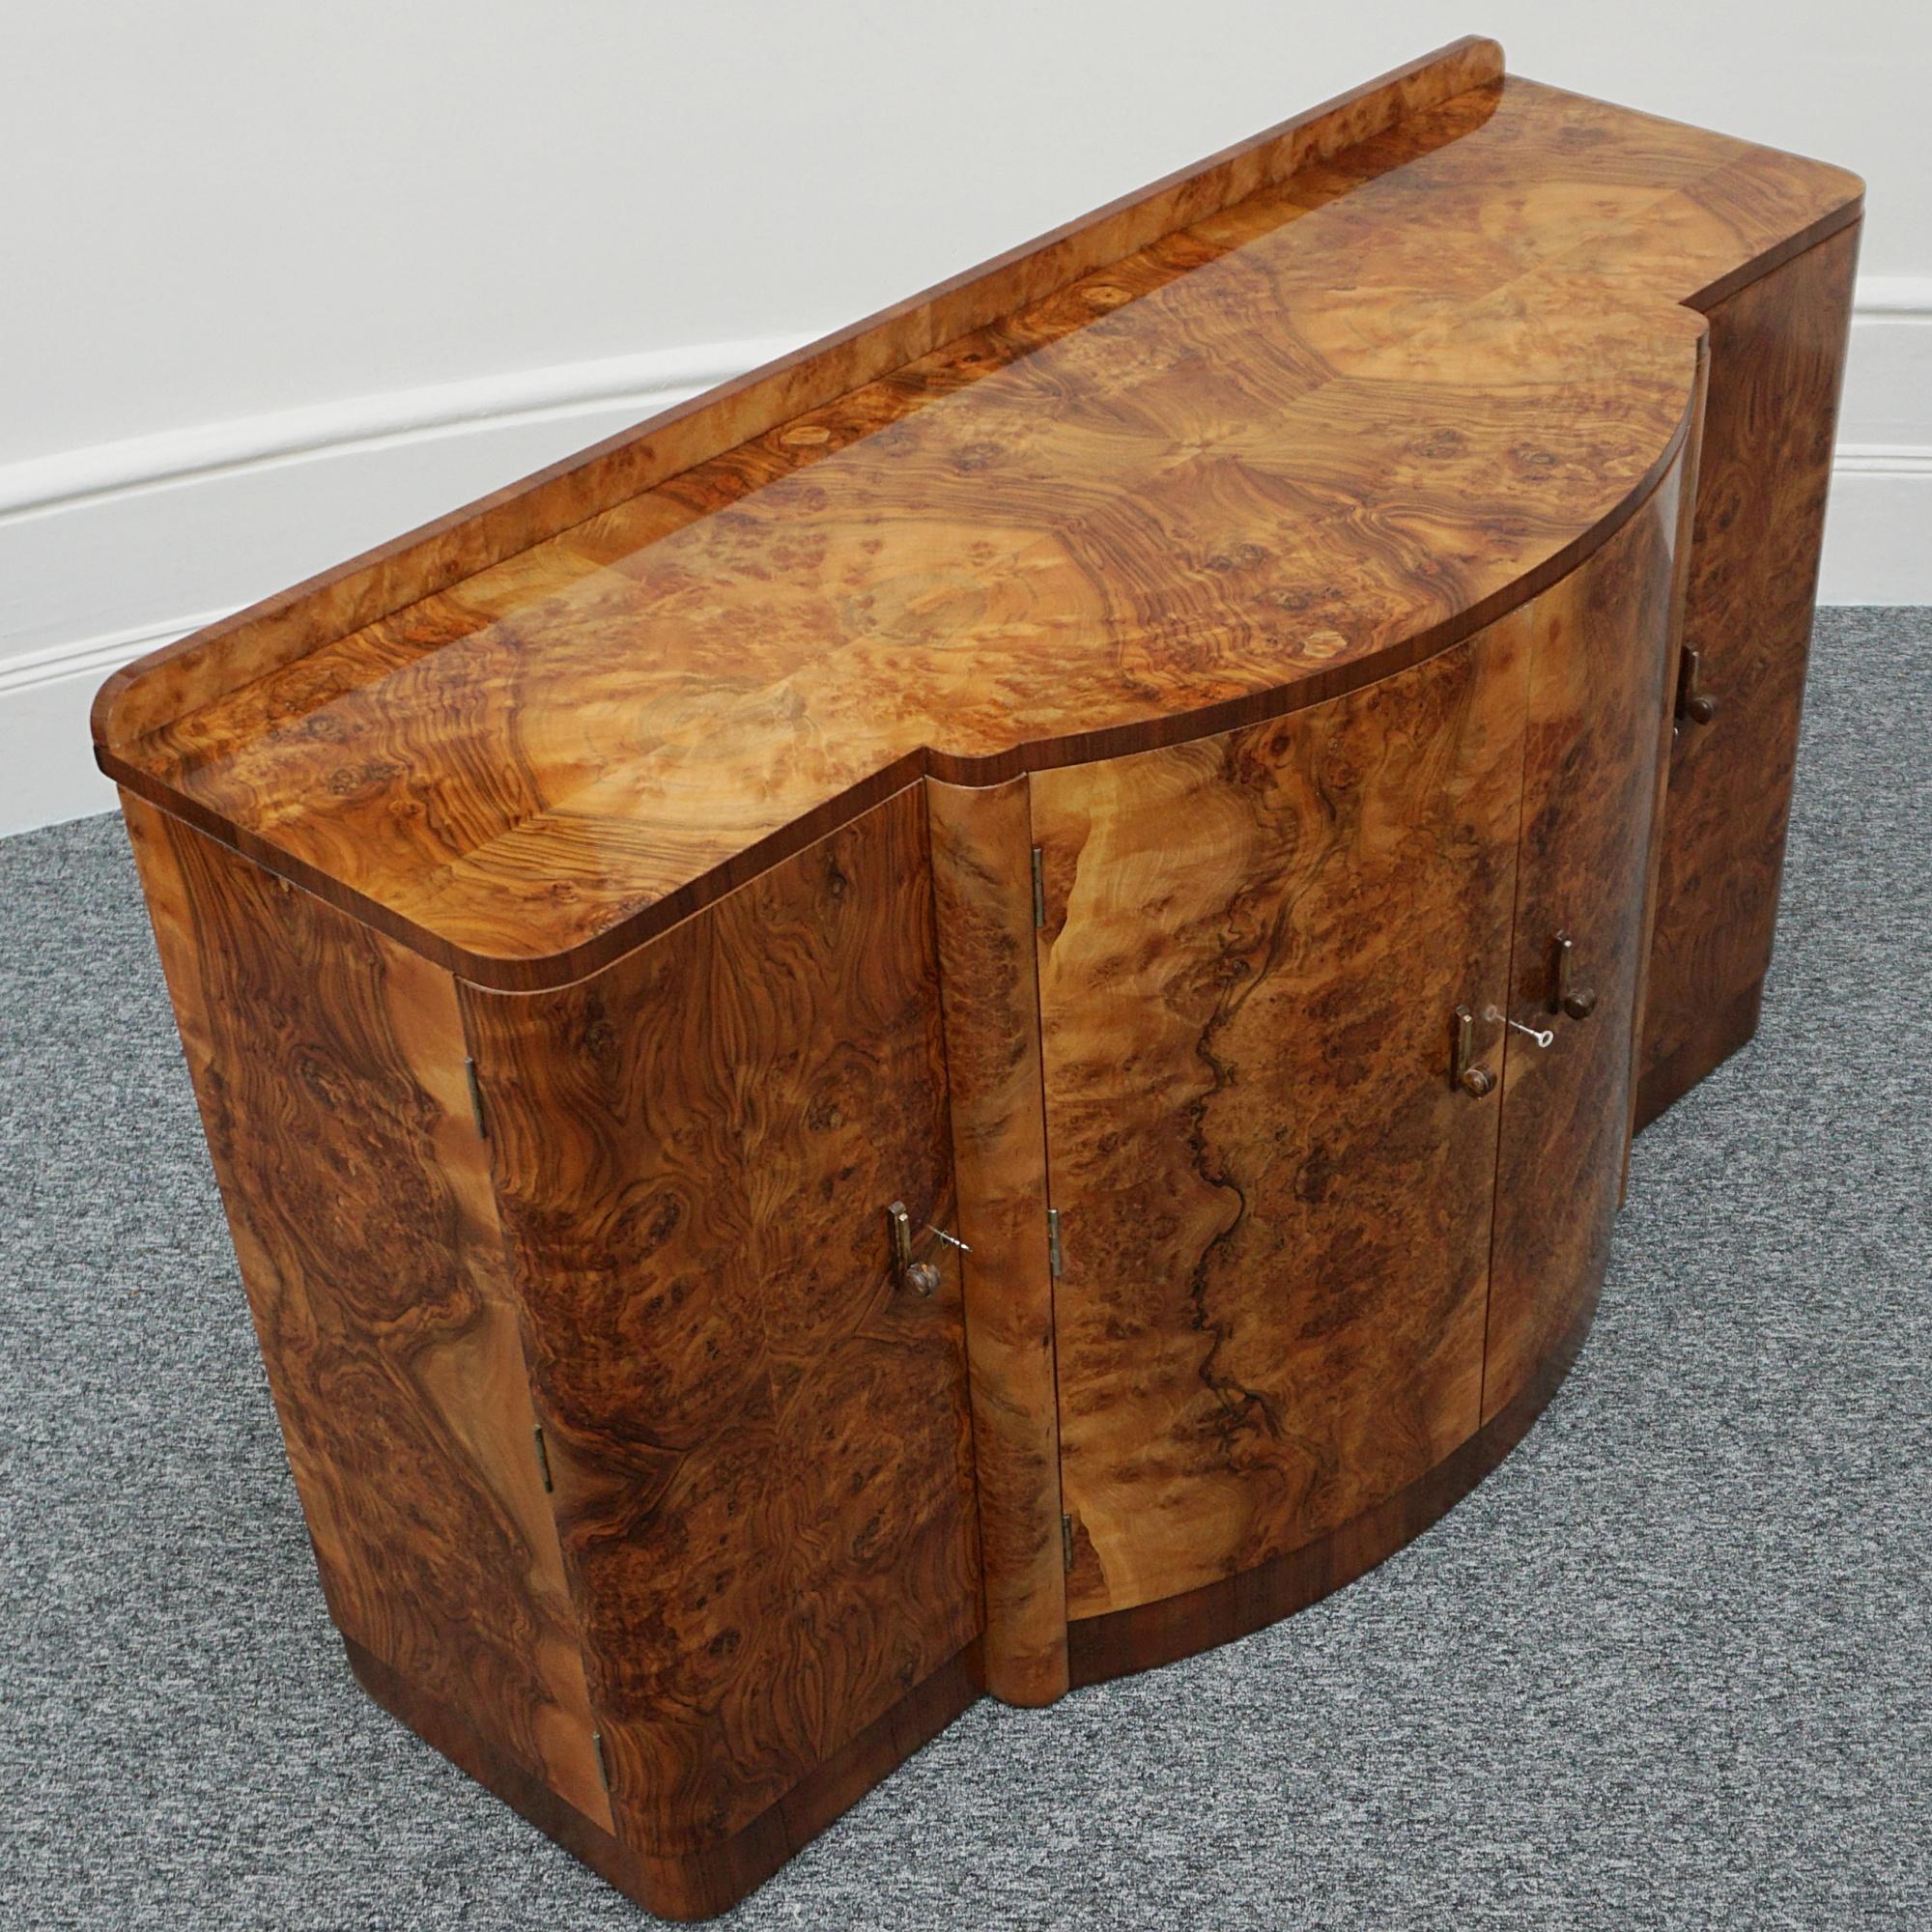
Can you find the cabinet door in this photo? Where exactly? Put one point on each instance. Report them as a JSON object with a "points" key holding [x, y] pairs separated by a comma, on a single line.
{"points": [[1599, 704], [1778, 355], [328, 1062], [1274, 1205], [759, 1439]]}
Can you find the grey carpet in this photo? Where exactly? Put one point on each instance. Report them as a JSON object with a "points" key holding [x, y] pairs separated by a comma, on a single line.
{"points": [[1669, 1666]]}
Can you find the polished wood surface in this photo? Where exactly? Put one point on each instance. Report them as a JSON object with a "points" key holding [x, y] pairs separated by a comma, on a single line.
{"points": [[760, 1441], [1274, 1205], [1262, 458], [701, 1885], [1598, 718], [327, 1062], [1719, 1033], [982, 873], [1777, 362], [1125, 1641], [167, 684], [1060, 758], [1683, 488]]}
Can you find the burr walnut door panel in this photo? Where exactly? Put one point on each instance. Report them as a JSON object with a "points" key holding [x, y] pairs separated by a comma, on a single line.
{"points": [[1778, 355], [760, 1441], [329, 1067], [1275, 1201], [1600, 694]]}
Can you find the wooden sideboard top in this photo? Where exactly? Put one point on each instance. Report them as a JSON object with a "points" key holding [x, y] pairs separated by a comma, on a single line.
{"points": [[1267, 431]]}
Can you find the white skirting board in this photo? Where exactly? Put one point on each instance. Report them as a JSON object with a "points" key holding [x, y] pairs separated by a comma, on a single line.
{"points": [[107, 552]]}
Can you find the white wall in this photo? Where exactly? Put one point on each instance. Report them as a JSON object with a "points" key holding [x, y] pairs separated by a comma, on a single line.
{"points": [[282, 281]]}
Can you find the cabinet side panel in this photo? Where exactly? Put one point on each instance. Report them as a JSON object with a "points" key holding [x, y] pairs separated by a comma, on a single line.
{"points": [[1598, 689], [1274, 1201], [983, 882], [329, 1065], [1777, 350], [762, 1442]]}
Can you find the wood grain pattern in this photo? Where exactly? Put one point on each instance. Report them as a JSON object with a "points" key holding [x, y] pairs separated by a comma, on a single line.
{"points": [[328, 1065], [1171, 1628], [699, 1885], [1293, 554], [1682, 485], [983, 887], [1777, 361], [1256, 460], [762, 1444], [1274, 1205], [1597, 720], [167, 684]]}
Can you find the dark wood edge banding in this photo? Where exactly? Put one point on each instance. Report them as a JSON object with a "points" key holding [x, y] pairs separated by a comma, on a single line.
{"points": [[1150, 1635], [373, 585], [1720, 1035], [695, 1885], [545, 972]]}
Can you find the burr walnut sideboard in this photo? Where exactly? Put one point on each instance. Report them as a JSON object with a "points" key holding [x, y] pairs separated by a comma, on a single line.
{"points": [[968, 1016]]}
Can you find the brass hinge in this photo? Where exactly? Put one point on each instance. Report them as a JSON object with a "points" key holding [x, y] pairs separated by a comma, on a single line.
{"points": [[603, 1762], [1066, 1541], [1053, 1242], [475, 1096], [1039, 888], [543, 1456]]}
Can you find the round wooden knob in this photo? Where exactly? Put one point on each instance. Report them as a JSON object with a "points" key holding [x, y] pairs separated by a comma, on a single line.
{"points": [[1478, 1080], [1700, 708], [1579, 1005]]}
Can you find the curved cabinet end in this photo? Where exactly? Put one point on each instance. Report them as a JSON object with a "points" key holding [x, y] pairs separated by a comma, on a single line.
{"points": [[1150, 1635]]}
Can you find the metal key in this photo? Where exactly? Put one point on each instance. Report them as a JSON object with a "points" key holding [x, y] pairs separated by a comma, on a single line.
{"points": [[1539, 1035]]}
